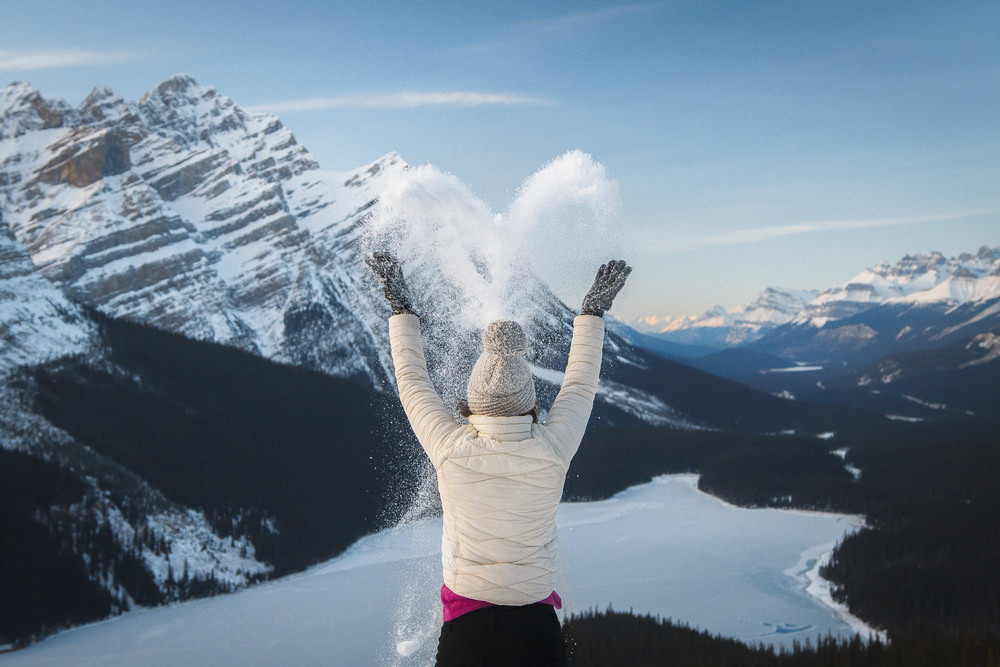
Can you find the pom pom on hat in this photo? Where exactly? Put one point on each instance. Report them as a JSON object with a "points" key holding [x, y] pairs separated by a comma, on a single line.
{"points": [[506, 338], [501, 384]]}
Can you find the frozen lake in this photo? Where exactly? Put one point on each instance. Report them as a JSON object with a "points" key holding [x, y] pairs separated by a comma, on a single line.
{"points": [[663, 548]]}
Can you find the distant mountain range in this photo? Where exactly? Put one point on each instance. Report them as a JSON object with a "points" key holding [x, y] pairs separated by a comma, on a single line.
{"points": [[916, 280], [893, 336], [726, 327]]}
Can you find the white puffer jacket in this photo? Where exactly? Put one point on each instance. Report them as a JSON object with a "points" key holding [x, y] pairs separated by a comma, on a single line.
{"points": [[500, 478]]}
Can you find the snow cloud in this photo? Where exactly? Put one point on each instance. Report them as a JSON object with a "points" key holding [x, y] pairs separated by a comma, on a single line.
{"points": [[560, 224], [467, 265], [11, 61], [404, 100]]}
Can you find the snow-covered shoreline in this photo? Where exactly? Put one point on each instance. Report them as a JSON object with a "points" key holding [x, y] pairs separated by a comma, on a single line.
{"points": [[813, 560]]}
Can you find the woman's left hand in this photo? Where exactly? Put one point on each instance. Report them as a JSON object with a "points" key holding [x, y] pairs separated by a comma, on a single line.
{"points": [[609, 281]]}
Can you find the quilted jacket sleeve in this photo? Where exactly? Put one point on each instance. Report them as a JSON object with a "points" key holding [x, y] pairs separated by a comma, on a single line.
{"points": [[431, 422], [567, 420]]}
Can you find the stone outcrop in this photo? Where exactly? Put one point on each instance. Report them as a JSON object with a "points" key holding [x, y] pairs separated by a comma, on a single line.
{"points": [[106, 154]]}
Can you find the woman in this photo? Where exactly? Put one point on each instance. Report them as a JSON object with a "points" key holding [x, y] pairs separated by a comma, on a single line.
{"points": [[500, 476]]}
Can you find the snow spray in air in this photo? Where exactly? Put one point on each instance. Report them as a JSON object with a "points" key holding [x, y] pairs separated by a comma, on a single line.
{"points": [[466, 267]]}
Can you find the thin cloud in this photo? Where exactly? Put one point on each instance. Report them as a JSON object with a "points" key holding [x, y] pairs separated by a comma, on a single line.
{"points": [[594, 17], [11, 61], [551, 27], [403, 100], [759, 234]]}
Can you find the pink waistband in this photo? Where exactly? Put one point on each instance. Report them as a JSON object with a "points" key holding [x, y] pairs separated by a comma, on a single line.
{"points": [[455, 605]]}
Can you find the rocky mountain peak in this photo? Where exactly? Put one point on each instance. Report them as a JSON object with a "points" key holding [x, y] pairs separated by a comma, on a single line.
{"points": [[98, 94], [192, 115], [175, 91], [985, 254], [14, 92], [912, 265], [102, 107], [776, 305], [23, 109], [17, 96]]}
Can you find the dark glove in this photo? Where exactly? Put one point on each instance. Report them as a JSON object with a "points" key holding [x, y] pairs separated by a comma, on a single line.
{"points": [[386, 268], [610, 280]]}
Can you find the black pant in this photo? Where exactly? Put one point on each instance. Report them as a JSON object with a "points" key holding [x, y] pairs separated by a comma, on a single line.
{"points": [[498, 635]]}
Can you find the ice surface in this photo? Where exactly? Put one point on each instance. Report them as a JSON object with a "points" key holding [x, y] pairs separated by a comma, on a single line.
{"points": [[663, 547]]}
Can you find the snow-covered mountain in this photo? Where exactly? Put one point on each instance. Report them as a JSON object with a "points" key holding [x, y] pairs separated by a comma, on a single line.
{"points": [[923, 302], [932, 298], [915, 339], [184, 211], [725, 327], [915, 280]]}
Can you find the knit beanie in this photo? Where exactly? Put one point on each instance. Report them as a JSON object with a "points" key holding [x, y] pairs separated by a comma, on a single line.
{"points": [[501, 384]]}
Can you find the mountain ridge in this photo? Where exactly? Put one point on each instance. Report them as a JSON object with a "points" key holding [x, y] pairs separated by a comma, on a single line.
{"points": [[934, 281]]}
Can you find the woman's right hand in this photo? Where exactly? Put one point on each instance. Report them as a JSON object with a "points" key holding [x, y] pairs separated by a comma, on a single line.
{"points": [[386, 268]]}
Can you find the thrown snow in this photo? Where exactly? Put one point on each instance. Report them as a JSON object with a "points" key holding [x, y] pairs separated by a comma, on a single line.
{"points": [[663, 547]]}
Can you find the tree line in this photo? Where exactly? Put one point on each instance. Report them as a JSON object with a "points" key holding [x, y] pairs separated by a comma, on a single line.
{"points": [[602, 639]]}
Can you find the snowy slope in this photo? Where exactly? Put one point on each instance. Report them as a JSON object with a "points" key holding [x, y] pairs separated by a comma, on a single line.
{"points": [[37, 322], [120, 520], [962, 377], [663, 548]]}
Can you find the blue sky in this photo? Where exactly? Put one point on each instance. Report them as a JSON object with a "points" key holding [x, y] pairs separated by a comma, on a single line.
{"points": [[755, 143]]}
